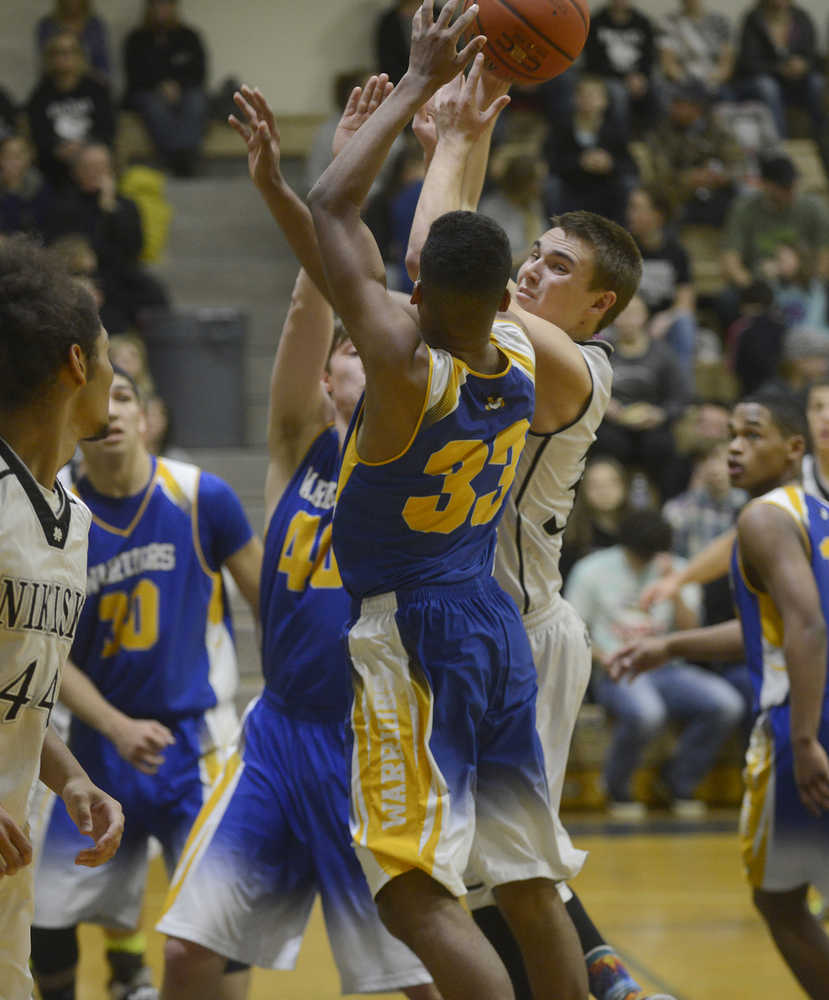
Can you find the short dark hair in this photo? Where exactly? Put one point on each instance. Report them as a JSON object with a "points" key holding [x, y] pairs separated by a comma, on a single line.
{"points": [[786, 410], [645, 533], [118, 370], [617, 260], [43, 312], [469, 254]]}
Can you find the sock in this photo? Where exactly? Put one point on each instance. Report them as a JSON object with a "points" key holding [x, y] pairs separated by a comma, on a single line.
{"points": [[609, 979], [588, 932], [54, 961], [126, 956]]}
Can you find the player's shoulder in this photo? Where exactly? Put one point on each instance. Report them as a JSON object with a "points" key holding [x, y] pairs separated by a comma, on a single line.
{"points": [[511, 336], [791, 499]]}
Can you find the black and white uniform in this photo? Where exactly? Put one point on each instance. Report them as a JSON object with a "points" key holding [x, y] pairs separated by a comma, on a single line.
{"points": [[526, 566], [43, 547]]}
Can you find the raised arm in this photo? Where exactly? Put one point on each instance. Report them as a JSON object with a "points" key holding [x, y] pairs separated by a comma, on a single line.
{"points": [[708, 564], [776, 562]]}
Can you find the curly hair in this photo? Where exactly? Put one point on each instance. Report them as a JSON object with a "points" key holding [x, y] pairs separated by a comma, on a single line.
{"points": [[43, 312]]}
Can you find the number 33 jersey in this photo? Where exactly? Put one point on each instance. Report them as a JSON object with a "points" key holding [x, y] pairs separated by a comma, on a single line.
{"points": [[429, 515], [43, 541], [155, 635]]}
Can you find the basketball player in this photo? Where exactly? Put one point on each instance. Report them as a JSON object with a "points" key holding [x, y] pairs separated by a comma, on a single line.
{"points": [[54, 384], [154, 642], [780, 577], [446, 762], [278, 821], [578, 277]]}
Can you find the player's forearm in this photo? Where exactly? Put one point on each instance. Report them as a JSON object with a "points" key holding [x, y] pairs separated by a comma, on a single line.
{"points": [[708, 644], [87, 703], [804, 649], [442, 191], [57, 763], [346, 182], [709, 563]]}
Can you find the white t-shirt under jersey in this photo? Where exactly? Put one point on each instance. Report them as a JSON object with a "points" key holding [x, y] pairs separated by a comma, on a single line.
{"points": [[43, 547], [529, 536]]}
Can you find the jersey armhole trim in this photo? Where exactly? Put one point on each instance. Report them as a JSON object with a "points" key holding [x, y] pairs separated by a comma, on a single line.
{"points": [[194, 526], [582, 412]]}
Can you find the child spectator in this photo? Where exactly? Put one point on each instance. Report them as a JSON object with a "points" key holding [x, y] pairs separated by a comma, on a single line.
{"points": [[77, 17]]}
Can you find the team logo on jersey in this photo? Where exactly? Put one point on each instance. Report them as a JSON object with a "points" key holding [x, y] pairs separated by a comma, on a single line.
{"points": [[141, 559], [39, 606], [494, 402], [57, 534]]}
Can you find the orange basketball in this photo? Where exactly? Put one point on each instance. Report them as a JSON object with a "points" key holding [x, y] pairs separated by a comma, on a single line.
{"points": [[531, 40]]}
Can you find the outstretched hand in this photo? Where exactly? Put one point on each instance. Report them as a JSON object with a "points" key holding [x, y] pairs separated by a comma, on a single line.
{"points": [[637, 657], [466, 106], [361, 105], [434, 58], [260, 134]]}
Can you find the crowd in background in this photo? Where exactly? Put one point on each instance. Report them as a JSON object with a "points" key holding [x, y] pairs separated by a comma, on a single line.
{"points": [[671, 126]]}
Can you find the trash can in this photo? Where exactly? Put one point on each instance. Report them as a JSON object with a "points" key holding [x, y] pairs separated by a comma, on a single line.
{"points": [[197, 360]]}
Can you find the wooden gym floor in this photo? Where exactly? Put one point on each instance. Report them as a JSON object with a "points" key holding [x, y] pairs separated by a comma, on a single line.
{"points": [[669, 896]]}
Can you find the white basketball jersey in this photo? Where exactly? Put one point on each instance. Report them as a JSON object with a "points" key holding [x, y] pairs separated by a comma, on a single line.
{"points": [[535, 515], [43, 544]]}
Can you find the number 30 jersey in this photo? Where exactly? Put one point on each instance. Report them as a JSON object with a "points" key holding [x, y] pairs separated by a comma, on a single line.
{"points": [[155, 635], [429, 515], [43, 541]]}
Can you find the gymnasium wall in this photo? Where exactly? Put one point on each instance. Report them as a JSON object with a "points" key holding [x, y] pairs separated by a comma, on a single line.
{"points": [[290, 49]]}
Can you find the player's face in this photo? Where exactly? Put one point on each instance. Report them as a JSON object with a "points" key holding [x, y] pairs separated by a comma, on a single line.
{"points": [[817, 414], [92, 404], [126, 421], [554, 283], [759, 455], [345, 379]]}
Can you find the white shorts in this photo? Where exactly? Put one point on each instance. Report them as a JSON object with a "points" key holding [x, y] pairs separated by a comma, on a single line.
{"points": [[560, 646], [16, 911]]}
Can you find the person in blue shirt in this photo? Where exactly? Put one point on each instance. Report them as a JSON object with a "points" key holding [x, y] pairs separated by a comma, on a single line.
{"points": [[151, 681]]}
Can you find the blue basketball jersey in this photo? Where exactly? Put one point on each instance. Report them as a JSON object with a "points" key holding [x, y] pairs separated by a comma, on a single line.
{"points": [[429, 515], [303, 604], [155, 634], [761, 622]]}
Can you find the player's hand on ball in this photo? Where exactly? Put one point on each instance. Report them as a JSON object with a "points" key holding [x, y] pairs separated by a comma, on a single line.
{"points": [[15, 848], [433, 57], [97, 815], [811, 773], [142, 742], [361, 105], [260, 134]]}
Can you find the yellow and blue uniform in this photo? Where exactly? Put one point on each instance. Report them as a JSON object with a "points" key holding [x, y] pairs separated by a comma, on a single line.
{"points": [[277, 820], [155, 638], [443, 720], [783, 845]]}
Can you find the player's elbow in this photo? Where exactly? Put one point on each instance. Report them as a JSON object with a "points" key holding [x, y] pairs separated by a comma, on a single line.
{"points": [[413, 264], [321, 199]]}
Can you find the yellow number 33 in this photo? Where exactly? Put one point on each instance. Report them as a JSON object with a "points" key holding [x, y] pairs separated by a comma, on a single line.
{"points": [[459, 462]]}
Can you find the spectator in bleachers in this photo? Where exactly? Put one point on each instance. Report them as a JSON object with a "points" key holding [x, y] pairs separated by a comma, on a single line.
{"points": [[8, 114], [319, 155], [392, 38], [77, 256], [755, 339], [621, 48], [601, 503], [588, 157], [129, 353], [25, 198], [111, 223], [800, 294], [696, 46], [78, 18], [605, 588], [166, 69], [516, 205], [760, 220], [67, 108], [649, 393], [778, 61], [693, 159], [805, 359], [666, 285]]}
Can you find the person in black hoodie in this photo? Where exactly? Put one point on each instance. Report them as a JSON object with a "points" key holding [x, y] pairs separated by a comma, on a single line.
{"points": [[67, 108], [166, 69]]}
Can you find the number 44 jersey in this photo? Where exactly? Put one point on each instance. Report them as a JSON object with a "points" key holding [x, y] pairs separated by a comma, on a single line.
{"points": [[43, 538], [428, 516], [155, 636]]}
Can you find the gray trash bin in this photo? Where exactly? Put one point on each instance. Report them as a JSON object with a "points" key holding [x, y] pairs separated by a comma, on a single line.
{"points": [[197, 360]]}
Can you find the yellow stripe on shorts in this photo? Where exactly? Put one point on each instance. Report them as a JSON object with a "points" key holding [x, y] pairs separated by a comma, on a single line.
{"points": [[754, 818]]}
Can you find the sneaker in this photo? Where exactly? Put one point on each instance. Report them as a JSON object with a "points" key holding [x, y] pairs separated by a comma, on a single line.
{"points": [[627, 812], [140, 987], [689, 808]]}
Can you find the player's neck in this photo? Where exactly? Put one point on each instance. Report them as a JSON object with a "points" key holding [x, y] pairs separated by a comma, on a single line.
{"points": [[485, 358], [822, 463], [41, 438], [119, 476]]}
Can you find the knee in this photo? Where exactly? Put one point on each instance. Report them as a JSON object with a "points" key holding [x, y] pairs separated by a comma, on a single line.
{"points": [[648, 722], [181, 957]]}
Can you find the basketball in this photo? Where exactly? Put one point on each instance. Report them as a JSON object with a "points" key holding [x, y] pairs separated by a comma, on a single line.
{"points": [[531, 40]]}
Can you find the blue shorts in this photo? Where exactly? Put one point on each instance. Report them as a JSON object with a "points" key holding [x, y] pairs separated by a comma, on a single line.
{"points": [[783, 845], [273, 834], [163, 805], [447, 770]]}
